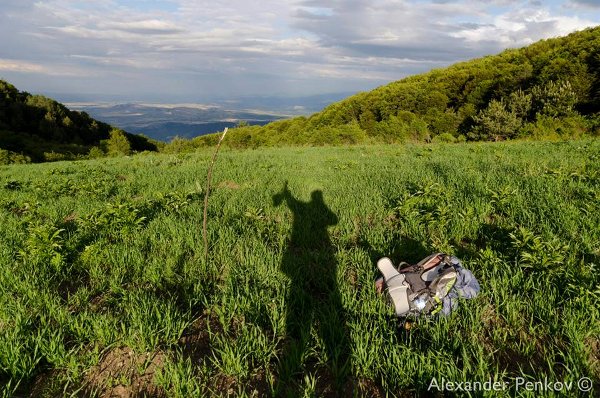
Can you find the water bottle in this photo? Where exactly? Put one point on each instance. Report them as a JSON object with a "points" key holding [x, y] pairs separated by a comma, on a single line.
{"points": [[419, 303]]}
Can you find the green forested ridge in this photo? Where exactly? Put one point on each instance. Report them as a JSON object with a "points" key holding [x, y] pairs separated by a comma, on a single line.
{"points": [[550, 88], [34, 127]]}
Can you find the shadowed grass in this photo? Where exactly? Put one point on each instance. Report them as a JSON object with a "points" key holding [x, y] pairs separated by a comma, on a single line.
{"points": [[98, 255]]}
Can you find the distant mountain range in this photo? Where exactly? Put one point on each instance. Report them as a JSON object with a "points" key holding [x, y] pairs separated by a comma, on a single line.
{"points": [[38, 128], [166, 121]]}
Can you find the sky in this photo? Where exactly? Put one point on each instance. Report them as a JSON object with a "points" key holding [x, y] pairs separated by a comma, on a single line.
{"points": [[198, 51]]}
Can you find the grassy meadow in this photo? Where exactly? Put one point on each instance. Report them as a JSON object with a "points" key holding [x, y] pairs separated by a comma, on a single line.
{"points": [[105, 290]]}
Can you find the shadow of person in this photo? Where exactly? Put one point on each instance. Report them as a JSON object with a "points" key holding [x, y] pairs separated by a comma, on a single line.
{"points": [[313, 298]]}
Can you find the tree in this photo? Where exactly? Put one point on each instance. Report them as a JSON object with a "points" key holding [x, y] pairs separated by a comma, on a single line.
{"points": [[496, 122], [519, 103], [554, 99], [118, 144]]}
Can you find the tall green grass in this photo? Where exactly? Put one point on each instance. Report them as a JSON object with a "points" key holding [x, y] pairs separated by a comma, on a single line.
{"points": [[101, 254]]}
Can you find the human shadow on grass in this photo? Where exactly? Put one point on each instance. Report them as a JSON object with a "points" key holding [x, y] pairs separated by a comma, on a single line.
{"points": [[313, 298]]}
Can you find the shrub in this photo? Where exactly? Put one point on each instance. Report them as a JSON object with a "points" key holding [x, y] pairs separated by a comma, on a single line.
{"points": [[405, 126], [118, 144], [445, 137], [95, 153], [546, 127], [496, 122], [55, 156], [441, 122], [350, 133], [594, 124], [179, 145], [416, 127], [8, 157], [391, 130]]}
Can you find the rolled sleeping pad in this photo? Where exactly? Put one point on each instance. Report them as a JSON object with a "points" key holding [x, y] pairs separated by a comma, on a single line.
{"points": [[396, 285]]}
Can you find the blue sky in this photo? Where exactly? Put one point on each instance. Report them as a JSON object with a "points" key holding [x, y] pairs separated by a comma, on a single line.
{"points": [[197, 51]]}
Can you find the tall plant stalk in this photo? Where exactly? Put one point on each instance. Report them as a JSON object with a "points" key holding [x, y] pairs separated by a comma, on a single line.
{"points": [[208, 179]]}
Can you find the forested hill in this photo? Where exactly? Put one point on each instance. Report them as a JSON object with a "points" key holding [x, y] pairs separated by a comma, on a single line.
{"points": [[550, 88], [37, 128]]}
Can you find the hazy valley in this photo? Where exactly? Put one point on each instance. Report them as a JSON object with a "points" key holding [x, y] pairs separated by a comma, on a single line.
{"points": [[164, 121]]}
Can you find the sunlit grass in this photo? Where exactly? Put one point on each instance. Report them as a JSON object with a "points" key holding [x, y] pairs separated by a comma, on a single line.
{"points": [[109, 253]]}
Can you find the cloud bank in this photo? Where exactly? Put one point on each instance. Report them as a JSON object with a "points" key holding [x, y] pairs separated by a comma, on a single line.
{"points": [[198, 50]]}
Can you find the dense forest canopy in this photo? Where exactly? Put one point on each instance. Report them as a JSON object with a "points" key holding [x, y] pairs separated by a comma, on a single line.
{"points": [[34, 127], [49, 120], [549, 88]]}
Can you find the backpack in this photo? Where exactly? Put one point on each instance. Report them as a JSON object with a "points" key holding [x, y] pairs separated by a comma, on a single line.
{"points": [[428, 287]]}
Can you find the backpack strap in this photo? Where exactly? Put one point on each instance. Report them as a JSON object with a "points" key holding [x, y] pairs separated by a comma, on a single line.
{"points": [[396, 285], [423, 265], [431, 261]]}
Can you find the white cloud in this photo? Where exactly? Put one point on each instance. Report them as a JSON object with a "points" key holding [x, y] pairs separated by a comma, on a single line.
{"points": [[148, 26], [522, 27], [26, 67], [21, 66], [272, 47], [586, 3]]}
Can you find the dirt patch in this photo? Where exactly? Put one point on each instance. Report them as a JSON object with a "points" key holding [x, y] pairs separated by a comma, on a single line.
{"points": [[225, 385], [256, 385], [45, 385], [491, 318], [594, 357], [325, 385], [352, 277], [122, 373], [368, 388], [228, 184], [390, 220], [195, 343], [507, 357], [70, 218], [259, 385]]}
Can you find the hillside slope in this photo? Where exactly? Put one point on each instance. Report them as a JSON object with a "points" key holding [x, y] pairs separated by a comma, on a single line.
{"points": [[34, 127], [551, 87]]}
